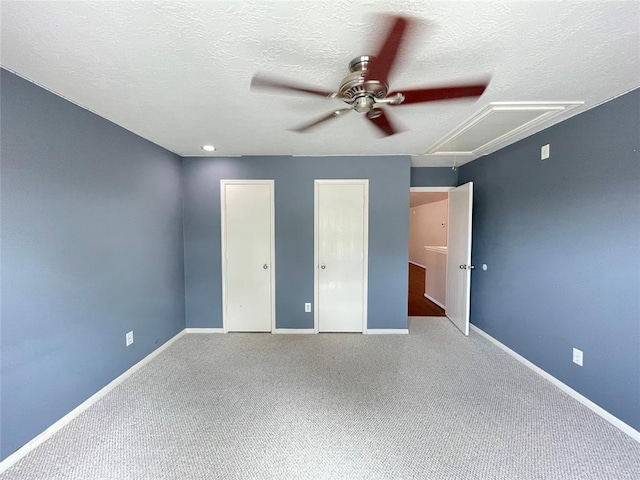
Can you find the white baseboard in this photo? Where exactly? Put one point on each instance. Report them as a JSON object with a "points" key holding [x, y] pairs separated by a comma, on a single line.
{"points": [[429, 297], [204, 330], [387, 331], [294, 330], [615, 421], [418, 265], [23, 451]]}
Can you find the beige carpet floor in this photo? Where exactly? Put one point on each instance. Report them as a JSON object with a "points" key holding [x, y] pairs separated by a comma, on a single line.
{"points": [[429, 405]]}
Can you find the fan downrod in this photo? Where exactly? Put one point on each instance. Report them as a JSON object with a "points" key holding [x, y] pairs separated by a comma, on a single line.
{"points": [[360, 64]]}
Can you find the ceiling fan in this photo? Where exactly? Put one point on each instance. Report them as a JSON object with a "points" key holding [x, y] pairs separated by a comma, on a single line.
{"points": [[366, 88]]}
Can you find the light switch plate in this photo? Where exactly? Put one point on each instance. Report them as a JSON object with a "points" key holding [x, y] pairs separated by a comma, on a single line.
{"points": [[577, 356], [544, 152]]}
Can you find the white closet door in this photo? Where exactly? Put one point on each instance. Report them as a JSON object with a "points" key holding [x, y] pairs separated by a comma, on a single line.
{"points": [[341, 239], [247, 250]]}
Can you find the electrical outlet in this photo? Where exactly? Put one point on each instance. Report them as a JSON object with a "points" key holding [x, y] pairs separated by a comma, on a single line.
{"points": [[544, 152], [307, 307], [129, 338], [577, 356]]}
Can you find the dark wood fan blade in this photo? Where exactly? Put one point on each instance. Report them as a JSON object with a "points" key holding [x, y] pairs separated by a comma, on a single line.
{"points": [[441, 93], [382, 121], [383, 62], [261, 82], [315, 123]]}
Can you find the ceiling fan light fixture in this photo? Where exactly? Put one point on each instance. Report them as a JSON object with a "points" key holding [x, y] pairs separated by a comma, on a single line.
{"points": [[367, 83], [208, 148], [363, 104]]}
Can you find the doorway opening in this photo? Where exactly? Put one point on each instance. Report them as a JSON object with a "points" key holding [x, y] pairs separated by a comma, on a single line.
{"points": [[428, 225], [457, 255]]}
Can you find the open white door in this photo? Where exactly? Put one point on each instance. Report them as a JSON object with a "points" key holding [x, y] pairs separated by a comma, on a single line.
{"points": [[459, 256]]}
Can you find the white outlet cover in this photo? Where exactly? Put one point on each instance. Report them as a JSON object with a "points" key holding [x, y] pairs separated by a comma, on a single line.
{"points": [[544, 152], [129, 338], [307, 307], [577, 356]]}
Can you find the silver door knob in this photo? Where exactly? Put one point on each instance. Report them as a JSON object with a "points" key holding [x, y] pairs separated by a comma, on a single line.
{"points": [[463, 267], [265, 266], [467, 267], [323, 266]]}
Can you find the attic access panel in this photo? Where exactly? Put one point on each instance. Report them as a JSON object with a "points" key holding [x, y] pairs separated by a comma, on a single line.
{"points": [[496, 125]]}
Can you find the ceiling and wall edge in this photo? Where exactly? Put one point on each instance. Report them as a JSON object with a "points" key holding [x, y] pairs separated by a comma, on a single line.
{"points": [[510, 120], [18, 74], [430, 157]]}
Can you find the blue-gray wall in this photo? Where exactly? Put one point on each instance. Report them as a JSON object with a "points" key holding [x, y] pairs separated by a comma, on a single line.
{"points": [[294, 176], [561, 239], [433, 177], [91, 248]]}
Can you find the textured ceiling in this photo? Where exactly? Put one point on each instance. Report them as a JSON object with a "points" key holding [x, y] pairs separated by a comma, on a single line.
{"points": [[178, 73]]}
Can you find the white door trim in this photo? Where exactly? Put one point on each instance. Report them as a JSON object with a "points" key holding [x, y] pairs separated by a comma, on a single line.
{"points": [[223, 247], [365, 239]]}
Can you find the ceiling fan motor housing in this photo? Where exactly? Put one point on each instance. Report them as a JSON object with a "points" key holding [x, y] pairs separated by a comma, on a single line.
{"points": [[355, 91]]}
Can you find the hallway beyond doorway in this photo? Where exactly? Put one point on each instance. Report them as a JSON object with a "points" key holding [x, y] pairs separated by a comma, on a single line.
{"points": [[419, 306]]}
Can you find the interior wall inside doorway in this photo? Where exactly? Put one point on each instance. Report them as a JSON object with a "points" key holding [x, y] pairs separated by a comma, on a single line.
{"points": [[427, 223], [428, 218]]}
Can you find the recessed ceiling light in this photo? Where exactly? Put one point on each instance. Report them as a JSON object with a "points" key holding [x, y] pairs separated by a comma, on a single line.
{"points": [[208, 148]]}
